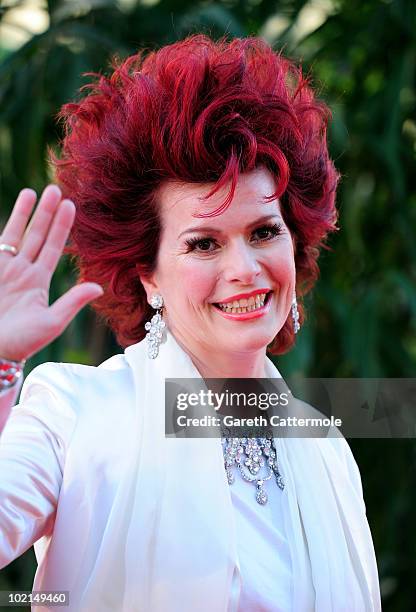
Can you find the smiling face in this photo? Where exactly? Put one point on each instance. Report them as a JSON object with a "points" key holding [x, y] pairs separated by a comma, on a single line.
{"points": [[227, 281]]}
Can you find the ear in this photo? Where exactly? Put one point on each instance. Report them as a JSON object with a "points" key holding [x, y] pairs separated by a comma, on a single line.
{"points": [[150, 286]]}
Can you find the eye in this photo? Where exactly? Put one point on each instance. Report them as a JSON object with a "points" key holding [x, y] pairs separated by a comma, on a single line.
{"points": [[201, 244], [268, 232]]}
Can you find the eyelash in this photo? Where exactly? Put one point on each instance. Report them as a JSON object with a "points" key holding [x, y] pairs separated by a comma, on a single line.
{"points": [[275, 230]]}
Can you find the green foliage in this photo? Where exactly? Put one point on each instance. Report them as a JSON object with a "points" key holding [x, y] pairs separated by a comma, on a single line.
{"points": [[361, 316]]}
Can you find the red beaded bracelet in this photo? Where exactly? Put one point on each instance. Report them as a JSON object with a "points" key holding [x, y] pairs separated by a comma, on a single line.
{"points": [[10, 373]]}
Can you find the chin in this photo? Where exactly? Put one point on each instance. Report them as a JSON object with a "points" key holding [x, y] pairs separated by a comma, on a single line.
{"points": [[251, 342]]}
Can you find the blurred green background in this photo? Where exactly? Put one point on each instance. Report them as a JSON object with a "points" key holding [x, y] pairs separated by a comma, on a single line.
{"points": [[362, 314]]}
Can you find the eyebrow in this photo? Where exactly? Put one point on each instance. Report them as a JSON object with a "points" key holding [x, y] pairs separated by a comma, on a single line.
{"points": [[214, 230]]}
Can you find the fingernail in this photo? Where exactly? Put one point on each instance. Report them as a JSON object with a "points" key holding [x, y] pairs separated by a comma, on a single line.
{"points": [[29, 191], [54, 188]]}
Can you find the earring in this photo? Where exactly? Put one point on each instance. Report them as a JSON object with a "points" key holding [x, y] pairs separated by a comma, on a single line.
{"points": [[155, 327], [295, 315]]}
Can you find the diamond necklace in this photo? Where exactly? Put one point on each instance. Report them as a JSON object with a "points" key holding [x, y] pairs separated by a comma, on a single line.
{"points": [[250, 456]]}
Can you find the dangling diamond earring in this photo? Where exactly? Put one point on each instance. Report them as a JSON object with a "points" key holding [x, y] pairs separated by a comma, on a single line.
{"points": [[155, 327], [295, 315]]}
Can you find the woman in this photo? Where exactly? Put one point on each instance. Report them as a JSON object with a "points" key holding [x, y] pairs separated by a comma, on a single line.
{"points": [[203, 191]]}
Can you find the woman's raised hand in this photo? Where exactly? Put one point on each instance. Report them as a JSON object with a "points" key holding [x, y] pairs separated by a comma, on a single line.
{"points": [[27, 322]]}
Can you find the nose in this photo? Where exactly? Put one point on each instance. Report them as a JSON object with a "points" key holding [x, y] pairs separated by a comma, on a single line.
{"points": [[241, 263]]}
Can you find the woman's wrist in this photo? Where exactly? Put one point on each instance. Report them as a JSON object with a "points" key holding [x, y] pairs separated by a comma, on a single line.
{"points": [[11, 373]]}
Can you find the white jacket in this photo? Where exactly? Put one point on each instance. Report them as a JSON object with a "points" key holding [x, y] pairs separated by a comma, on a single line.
{"points": [[127, 520]]}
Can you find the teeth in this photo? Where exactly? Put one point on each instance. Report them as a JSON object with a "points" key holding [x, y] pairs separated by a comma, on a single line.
{"points": [[245, 304]]}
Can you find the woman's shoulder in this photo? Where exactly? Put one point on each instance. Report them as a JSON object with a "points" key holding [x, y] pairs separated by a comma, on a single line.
{"points": [[65, 377], [71, 391]]}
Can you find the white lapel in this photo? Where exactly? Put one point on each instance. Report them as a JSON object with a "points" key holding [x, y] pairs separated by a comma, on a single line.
{"points": [[322, 507], [190, 561]]}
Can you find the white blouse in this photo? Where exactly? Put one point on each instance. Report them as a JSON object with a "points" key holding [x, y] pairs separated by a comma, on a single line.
{"points": [[263, 550]]}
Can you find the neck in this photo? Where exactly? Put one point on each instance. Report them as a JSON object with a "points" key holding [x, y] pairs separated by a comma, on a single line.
{"points": [[226, 365]]}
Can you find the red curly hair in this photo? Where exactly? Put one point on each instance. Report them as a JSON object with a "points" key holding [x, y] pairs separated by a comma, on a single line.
{"points": [[198, 111]]}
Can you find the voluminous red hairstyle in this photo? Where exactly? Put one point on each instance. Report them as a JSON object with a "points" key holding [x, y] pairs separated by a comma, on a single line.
{"points": [[195, 111]]}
